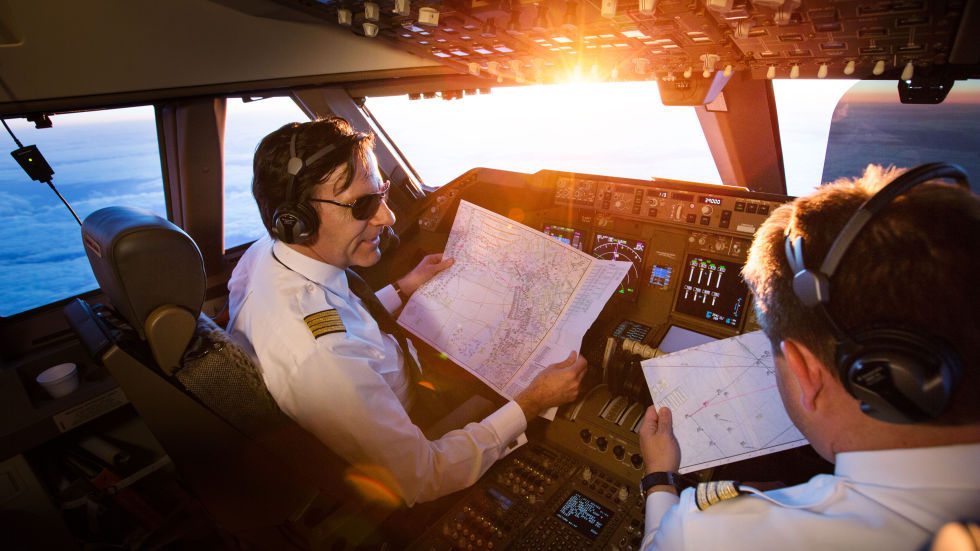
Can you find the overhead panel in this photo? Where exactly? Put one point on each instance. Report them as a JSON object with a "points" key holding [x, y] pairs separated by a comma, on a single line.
{"points": [[526, 41]]}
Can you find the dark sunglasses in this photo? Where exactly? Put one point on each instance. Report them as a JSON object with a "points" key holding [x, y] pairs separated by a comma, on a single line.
{"points": [[364, 207]]}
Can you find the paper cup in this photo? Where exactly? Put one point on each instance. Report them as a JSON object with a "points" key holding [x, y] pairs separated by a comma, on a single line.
{"points": [[59, 380]]}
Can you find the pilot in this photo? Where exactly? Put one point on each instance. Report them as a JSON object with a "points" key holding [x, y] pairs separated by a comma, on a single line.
{"points": [[329, 350], [903, 305]]}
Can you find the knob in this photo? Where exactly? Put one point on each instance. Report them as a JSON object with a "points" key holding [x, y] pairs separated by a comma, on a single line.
{"points": [[586, 435], [637, 460], [624, 493], [602, 443], [619, 451], [587, 474], [706, 210]]}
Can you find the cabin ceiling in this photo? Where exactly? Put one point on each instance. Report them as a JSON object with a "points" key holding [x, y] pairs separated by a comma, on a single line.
{"points": [[105, 52]]}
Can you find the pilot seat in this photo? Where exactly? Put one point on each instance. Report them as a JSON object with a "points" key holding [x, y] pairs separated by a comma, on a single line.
{"points": [[264, 480]]}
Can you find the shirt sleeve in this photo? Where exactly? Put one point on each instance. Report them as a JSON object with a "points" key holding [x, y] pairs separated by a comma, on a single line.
{"points": [[338, 397], [659, 504], [389, 298]]}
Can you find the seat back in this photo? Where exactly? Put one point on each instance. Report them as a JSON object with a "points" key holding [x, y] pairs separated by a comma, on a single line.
{"points": [[259, 474]]}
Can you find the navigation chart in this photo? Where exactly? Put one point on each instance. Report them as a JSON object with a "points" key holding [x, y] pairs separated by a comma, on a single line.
{"points": [[513, 302], [724, 401]]}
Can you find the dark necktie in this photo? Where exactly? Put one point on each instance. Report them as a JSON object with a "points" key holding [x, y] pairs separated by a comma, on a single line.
{"points": [[385, 320]]}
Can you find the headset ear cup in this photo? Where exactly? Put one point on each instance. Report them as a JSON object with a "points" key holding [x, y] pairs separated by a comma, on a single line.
{"points": [[898, 375], [295, 222]]}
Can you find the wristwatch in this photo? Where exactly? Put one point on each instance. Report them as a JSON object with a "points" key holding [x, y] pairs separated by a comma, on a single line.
{"points": [[401, 294], [661, 479]]}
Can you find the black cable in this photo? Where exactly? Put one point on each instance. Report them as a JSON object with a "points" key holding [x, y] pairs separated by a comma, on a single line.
{"points": [[11, 132], [77, 219], [45, 174]]}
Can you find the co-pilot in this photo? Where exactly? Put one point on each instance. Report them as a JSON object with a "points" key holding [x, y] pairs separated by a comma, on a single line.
{"points": [[329, 351], [876, 363]]}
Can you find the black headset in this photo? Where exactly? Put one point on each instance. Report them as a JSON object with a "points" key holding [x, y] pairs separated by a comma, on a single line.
{"points": [[296, 221], [899, 375]]}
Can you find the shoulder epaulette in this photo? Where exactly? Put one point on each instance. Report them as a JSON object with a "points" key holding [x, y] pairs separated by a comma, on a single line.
{"points": [[709, 493], [324, 323]]}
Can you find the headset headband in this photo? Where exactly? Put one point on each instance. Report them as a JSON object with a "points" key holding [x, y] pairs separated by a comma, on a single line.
{"points": [[296, 164], [870, 208]]}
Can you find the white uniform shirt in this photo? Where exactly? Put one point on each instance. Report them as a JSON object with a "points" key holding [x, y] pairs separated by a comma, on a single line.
{"points": [[349, 387], [891, 499]]}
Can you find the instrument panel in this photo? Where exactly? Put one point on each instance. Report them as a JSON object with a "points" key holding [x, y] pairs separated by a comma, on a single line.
{"points": [[574, 485], [686, 241]]}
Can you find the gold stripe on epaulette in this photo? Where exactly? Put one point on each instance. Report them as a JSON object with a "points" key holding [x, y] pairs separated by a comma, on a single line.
{"points": [[709, 493], [324, 323]]}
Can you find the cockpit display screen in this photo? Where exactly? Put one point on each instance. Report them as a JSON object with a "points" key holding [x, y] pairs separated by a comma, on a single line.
{"points": [[712, 290], [584, 515], [607, 247], [568, 236]]}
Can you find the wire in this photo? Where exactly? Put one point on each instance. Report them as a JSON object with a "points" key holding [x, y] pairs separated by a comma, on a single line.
{"points": [[77, 219], [48, 181], [11, 132]]}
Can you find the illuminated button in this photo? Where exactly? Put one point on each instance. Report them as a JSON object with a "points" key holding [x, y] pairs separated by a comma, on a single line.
{"points": [[691, 218], [763, 209], [739, 206], [751, 208], [705, 220], [652, 212]]}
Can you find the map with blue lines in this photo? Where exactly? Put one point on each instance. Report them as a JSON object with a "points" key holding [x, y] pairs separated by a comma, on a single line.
{"points": [[724, 401]]}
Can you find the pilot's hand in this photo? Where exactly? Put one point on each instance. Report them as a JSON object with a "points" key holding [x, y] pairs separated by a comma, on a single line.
{"points": [[557, 384], [429, 266], [659, 447]]}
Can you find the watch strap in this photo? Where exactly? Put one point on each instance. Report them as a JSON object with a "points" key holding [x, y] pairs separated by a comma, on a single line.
{"points": [[663, 478], [401, 293]]}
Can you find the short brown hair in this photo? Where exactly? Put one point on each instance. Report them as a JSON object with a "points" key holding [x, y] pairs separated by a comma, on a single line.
{"points": [[269, 176], [913, 266]]}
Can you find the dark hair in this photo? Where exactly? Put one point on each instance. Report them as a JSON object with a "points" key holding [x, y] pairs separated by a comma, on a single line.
{"points": [[269, 176], [914, 266]]}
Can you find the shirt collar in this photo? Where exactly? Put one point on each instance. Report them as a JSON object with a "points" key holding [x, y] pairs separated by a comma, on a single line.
{"points": [[942, 466], [312, 269]]}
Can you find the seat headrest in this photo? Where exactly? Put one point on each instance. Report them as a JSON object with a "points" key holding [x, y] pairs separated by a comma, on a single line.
{"points": [[143, 262]]}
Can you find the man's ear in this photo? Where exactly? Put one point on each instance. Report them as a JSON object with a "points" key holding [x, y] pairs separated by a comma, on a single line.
{"points": [[807, 369]]}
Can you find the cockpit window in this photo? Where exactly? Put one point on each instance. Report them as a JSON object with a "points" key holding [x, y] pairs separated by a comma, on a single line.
{"points": [[615, 129], [804, 109], [246, 123], [871, 125], [100, 158]]}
